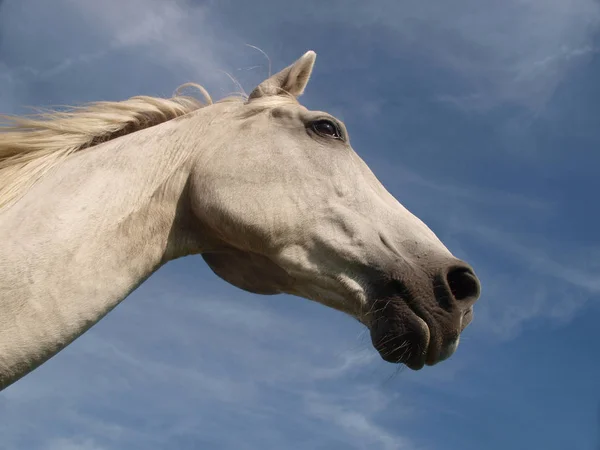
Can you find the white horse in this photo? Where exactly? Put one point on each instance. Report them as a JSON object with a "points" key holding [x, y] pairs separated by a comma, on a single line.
{"points": [[95, 199]]}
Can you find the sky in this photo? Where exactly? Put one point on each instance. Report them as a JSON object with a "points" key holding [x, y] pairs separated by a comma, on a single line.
{"points": [[482, 117]]}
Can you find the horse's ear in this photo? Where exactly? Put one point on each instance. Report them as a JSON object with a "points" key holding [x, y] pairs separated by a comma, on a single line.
{"points": [[291, 81]]}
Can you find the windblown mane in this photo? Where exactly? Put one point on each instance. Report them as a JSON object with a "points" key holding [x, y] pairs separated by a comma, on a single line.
{"points": [[32, 145]]}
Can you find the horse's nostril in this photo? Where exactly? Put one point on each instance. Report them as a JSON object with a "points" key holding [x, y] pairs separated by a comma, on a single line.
{"points": [[463, 283]]}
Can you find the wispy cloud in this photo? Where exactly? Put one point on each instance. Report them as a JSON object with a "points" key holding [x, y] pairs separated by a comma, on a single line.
{"points": [[578, 270], [514, 51], [85, 385], [8, 92], [538, 281], [74, 443], [354, 421], [398, 177], [171, 33], [166, 43]]}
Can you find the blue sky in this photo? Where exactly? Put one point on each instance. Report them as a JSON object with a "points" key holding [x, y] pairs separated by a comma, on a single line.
{"points": [[482, 117]]}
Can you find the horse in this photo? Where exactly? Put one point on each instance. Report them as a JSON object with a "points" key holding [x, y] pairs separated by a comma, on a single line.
{"points": [[96, 198]]}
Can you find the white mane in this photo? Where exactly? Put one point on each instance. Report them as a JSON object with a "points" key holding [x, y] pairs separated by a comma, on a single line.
{"points": [[30, 146]]}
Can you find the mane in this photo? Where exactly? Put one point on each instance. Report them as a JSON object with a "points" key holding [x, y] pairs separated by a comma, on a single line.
{"points": [[32, 145]]}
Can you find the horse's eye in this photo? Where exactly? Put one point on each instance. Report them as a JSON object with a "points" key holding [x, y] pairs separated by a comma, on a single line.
{"points": [[326, 128]]}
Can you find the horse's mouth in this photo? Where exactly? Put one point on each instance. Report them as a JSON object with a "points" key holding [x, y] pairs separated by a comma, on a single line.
{"points": [[409, 342]]}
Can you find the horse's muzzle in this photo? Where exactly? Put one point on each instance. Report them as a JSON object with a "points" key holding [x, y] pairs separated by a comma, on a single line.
{"points": [[418, 321]]}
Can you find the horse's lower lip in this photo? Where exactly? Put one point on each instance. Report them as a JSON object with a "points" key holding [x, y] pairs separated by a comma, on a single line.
{"points": [[411, 348]]}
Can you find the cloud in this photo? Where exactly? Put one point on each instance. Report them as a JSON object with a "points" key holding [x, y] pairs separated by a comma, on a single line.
{"points": [[171, 33], [539, 280], [96, 391], [149, 46], [574, 271], [354, 422], [492, 53], [7, 94], [74, 443], [397, 177], [515, 51]]}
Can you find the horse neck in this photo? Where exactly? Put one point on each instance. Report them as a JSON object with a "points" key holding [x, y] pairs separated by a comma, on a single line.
{"points": [[85, 237]]}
